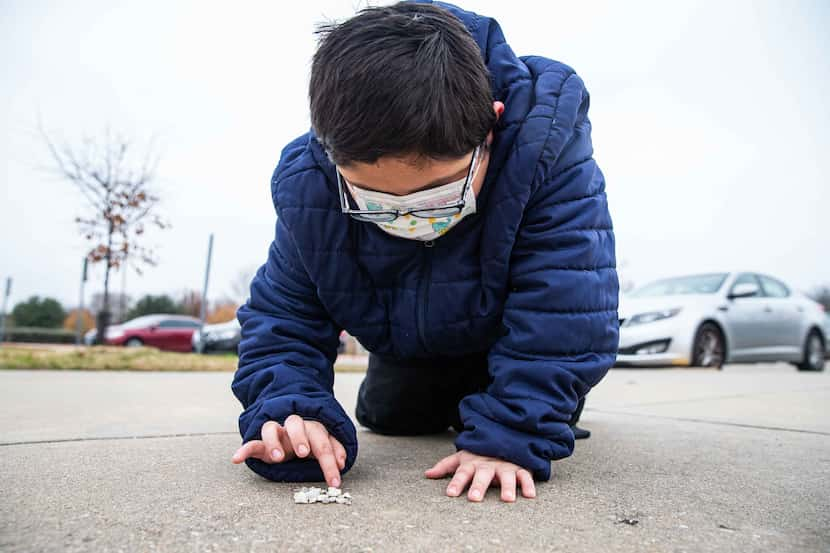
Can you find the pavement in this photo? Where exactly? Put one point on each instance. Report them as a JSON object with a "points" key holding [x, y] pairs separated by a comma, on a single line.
{"points": [[679, 460]]}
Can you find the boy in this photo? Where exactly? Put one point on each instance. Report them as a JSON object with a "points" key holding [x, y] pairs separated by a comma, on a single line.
{"points": [[446, 210]]}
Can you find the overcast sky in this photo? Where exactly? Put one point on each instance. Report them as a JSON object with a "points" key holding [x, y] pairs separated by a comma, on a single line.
{"points": [[711, 123]]}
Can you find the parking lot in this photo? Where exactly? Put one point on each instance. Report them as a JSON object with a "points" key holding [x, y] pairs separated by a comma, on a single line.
{"points": [[679, 460]]}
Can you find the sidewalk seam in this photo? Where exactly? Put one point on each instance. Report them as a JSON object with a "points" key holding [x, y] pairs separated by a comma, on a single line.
{"points": [[718, 423], [116, 438]]}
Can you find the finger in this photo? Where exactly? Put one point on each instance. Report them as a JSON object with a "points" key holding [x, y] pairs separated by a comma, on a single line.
{"points": [[339, 451], [295, 426], [526, 481], [507, 481], [463, 475], [253, 448], [271, 440], [321, 446], [481, 481], [285, 443], [445, 466]]}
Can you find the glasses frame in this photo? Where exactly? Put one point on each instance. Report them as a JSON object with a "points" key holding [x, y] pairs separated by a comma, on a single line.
{"points": [[371, 216]]}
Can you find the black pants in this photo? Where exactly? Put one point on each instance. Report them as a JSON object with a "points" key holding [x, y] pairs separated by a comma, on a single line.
{"points": [[409, 397]]}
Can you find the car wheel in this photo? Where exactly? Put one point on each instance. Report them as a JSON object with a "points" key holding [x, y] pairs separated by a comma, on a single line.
{"points": [[708, 349], [134, 343], [813, 358]]}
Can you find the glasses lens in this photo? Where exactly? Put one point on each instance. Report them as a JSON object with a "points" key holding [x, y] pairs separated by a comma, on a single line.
{"points": [[441, 212], [374, 217]]}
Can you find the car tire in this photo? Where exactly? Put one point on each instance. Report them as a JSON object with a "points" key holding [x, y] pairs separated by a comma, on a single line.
{"points": [[133, 343], [709, 348], [813, 353]]}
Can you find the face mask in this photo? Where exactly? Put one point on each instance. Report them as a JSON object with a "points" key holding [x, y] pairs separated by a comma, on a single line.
{"points": [[419, 228]]}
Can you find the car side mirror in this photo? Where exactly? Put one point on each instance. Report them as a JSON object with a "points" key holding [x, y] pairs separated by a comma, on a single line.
{"points": [[744, 290], [153, 328]]}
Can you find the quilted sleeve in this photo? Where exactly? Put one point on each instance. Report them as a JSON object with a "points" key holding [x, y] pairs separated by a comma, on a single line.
{"points": [[286, 356], [560, 330]]}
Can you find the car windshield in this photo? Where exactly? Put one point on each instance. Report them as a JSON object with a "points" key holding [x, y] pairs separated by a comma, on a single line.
{"points": [[692, 284], [141, 322]]}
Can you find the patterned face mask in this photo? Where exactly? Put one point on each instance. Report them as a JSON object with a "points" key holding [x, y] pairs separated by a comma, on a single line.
{"points": [[413, 227]]}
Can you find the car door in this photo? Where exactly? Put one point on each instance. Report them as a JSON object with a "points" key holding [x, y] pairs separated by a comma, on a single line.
{"points": [[178, 334], [153, 335], [786, 317], [165, 334], [746, 321]]}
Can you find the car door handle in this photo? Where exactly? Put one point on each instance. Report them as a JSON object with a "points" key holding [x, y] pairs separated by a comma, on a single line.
{"points": [[768, 309]]}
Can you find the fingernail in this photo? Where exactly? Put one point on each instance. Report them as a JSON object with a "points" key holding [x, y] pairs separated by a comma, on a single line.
{"points": [[276, 454], [303, 449], [451, 490], [476, 494], [336, 482]]}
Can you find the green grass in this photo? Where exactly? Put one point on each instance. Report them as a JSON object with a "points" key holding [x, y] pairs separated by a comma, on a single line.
{"points": [[108, 358]]}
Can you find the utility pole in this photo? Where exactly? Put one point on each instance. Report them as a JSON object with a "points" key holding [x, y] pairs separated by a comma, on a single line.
{"points": [[79, 315], [3, 311], [203, 309]]}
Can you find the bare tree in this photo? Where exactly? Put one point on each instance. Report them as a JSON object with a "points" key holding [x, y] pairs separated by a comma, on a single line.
{"points": [[190, 302], [119, 203], [241, 284]]}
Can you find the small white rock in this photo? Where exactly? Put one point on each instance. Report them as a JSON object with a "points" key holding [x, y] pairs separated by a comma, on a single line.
{"points": [[322, 495]]}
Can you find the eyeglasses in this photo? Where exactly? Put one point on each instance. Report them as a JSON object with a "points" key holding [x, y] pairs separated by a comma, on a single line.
{"points": [[386, 215]]}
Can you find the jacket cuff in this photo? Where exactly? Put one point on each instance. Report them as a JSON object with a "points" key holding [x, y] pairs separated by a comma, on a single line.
{"points": [[327, 411], [485, 436]]}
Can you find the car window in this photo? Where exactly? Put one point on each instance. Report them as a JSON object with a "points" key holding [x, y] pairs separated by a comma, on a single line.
{"points": [[142, 322], [745, 278], [178, 323], [774, 288]]}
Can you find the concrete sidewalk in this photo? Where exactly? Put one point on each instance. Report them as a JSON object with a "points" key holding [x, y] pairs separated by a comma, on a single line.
{"points": [[679, 460]]}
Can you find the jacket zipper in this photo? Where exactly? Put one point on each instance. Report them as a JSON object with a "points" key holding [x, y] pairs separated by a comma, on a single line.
{"points": [[422, 297]]}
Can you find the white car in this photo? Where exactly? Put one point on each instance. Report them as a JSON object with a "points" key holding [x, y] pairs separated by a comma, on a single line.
{"points": [[707, 320]]}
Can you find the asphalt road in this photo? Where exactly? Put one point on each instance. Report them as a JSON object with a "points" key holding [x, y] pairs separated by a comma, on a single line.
{"points": [[679, 460]]}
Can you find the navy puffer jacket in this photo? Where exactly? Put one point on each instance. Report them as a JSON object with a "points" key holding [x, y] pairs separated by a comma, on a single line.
{"points": [[530, 278]]}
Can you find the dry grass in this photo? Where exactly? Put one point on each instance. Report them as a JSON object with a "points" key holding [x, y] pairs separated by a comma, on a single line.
{"points": [[107, 358]]}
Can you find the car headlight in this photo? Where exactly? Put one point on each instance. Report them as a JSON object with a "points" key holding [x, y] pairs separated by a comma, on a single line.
{"points": [[114, 334], [651, 316]]}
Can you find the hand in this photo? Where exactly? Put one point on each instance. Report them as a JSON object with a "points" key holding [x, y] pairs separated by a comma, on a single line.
{"points": [[298, 438], [482, 470]]}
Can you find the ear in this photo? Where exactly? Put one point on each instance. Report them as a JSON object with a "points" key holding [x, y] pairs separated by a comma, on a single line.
{"points": [[498, 107]]}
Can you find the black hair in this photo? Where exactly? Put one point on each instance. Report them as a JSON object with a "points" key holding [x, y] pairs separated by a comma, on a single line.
{"points": [[400, 80]]}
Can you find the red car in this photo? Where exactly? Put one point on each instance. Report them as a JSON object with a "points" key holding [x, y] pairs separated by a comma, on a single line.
{"points": [[167, 332]]}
